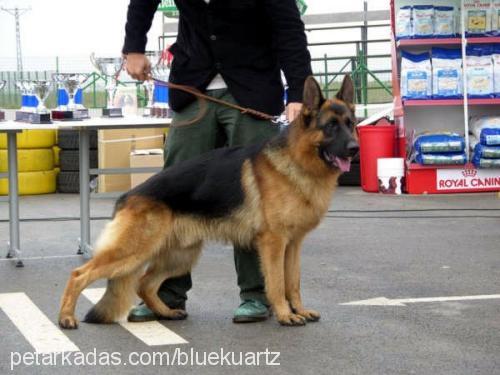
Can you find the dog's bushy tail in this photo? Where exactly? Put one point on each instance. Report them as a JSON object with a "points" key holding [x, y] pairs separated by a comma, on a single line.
{"points": [[116, 301]]}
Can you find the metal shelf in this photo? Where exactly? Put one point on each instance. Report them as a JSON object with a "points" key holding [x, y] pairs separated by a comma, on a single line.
{"points": [[449, 102], [445, 41]]}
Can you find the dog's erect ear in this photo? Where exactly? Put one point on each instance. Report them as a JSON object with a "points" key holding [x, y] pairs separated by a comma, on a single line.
{"points": [[313, 97], [346, 92]]}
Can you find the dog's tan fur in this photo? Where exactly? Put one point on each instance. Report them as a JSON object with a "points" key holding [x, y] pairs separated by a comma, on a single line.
{"points": [[287, 192]]}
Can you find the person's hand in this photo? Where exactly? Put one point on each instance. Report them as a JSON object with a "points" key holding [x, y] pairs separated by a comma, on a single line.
{"points": [[292, 111], [138, 66]]}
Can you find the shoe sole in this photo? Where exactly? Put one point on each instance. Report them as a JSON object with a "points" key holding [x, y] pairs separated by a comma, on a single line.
{"points": [[249, 319], [144, 319]]}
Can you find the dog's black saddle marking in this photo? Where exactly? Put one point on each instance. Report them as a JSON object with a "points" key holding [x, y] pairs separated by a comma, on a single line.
{"points": [[208, 185]]}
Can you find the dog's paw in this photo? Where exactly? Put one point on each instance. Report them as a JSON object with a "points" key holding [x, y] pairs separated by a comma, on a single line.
{"points": [[177, 314], [291, 319], [68, 322], [309, 315]]}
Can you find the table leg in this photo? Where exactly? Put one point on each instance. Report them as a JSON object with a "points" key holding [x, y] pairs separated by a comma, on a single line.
{"points": [[14, 248], [84, 248]]}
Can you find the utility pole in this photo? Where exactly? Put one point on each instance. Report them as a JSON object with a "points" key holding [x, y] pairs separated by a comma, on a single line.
{"points": [[17, 13]]}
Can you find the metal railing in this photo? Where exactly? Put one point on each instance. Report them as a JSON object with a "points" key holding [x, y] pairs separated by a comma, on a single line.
{"points": [[370, 85]]}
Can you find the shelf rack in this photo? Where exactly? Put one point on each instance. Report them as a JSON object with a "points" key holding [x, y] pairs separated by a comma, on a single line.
{"points": [[440, 179]]}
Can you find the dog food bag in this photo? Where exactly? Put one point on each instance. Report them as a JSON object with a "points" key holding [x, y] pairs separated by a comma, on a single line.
{"points": [[444, 22], [477, 17], [416, 76], [439, 143], [444, 159], [403, 23], [490, 137], [446, 73], [496, 69], [487, 152], [423, 21], [480, 82], [485, 163], [486, 129]]}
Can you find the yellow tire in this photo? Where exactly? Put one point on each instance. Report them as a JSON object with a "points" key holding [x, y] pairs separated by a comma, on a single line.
{"points": [[31, 139], [56, 150], [35, 160], [31, 183]]}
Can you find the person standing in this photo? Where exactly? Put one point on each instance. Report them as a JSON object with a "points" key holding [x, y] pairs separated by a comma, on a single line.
{"points": [[232, 50]]}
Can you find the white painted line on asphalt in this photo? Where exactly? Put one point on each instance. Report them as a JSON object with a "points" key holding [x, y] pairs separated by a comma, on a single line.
{"points": [[151, 333], [40, 332], [42, 258], [382, 301]]}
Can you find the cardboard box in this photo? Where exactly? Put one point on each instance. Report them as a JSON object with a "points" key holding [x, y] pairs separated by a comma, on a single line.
{"points": [[142, 159], [114, 148]]}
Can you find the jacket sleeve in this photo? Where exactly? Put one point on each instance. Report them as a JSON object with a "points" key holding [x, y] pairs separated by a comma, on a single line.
{"points": [[139, 19], [290, 41]]}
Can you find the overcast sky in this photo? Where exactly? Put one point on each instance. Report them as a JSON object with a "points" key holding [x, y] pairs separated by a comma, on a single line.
{"points": [[78, 27]]}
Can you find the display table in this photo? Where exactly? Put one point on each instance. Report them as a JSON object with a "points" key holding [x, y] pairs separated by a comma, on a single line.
{"points": [[11, 128]]}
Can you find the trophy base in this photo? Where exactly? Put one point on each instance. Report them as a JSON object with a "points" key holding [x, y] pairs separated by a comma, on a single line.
{"points": [[76, 115], [2, 115], [82, 113], [147, 112], [112, 112], [33, 118], [161, 112]]}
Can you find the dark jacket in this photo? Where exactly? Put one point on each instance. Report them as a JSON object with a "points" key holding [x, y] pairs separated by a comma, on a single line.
{"points": [[246, 41]]}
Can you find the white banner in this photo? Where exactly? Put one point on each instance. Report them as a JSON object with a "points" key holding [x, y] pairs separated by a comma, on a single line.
{"points": [[469, 178]]}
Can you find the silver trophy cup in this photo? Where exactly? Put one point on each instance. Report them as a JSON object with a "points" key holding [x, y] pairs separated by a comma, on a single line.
{"points": [[71, 83], [29, 112], [110, 68], [154, 58], [42, 91]]}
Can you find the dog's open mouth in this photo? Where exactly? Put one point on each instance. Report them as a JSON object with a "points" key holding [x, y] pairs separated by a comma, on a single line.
{"points": [[335, 162]]}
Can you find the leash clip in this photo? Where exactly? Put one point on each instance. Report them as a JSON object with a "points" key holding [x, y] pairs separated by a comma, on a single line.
{"points": [[281, 121]]}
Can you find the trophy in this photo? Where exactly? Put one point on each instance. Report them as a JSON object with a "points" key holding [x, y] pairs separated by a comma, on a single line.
{"points": [[149, 85], [2, 114], [109, 67], [42, 91], [160, 108], [33, 110], [70, 83], [28, 100]]}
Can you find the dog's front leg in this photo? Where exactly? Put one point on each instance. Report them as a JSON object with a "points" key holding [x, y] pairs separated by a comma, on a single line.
{"points": [[272, 255], [292, 281]]}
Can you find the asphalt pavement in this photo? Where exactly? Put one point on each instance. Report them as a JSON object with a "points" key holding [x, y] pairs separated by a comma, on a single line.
{"points": [[435, 259]]}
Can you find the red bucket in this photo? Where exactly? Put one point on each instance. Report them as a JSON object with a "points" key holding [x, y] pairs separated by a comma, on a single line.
{"points": [[375, 142]]}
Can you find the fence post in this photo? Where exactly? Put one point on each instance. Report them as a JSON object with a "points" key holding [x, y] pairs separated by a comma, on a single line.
{"points": [[57, 64], [326, 75], [94, 91]]}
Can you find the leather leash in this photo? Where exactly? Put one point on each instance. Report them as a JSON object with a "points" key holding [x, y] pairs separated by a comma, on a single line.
{"points": [[203, 97]]}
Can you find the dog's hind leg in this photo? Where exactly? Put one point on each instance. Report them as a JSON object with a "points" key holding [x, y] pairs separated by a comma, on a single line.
{"points": [[170, 262], [292, 280], [271, 247], [126, 244]]}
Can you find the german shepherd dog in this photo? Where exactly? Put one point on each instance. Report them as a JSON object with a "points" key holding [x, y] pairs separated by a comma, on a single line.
{"points": [[268, 196]]}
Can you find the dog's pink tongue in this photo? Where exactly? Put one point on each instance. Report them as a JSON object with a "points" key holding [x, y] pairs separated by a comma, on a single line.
{"points": [[343, 164]]}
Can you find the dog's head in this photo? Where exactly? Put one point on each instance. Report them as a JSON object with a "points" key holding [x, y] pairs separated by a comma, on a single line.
{"points": [[330, 124]]}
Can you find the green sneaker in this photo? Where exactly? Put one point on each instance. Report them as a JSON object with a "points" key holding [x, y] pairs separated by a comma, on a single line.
{"points": [[142, 313], [251, 311]]}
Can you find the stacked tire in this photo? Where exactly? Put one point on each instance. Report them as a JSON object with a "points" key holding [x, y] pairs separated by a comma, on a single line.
{"points": [[35, 162], [68, 180]]}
